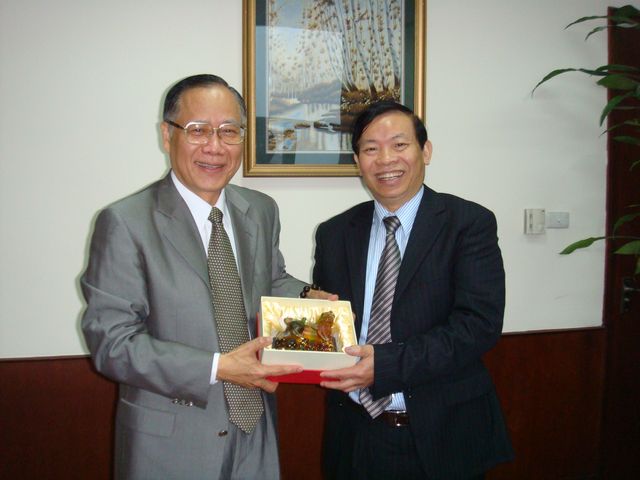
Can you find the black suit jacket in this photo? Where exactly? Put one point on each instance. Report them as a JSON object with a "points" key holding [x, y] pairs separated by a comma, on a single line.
{"points": [[447, 312]]}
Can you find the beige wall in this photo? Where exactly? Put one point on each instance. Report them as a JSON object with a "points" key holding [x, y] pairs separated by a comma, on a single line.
{"points": [[80, 90]]}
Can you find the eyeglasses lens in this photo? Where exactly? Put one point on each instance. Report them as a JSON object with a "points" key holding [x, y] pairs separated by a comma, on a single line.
{"points": [[200, 133]]}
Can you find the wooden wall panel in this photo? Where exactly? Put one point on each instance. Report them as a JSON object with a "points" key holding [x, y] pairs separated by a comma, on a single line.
{"points": [[56, 419], [551, 389]]}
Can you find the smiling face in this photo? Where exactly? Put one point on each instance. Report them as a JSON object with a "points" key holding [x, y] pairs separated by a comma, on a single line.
{"points": [[204, 169], [391, 162]]}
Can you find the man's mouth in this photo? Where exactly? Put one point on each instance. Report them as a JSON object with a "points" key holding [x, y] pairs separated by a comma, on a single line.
{"points": [[388, 176], [208, 166]]}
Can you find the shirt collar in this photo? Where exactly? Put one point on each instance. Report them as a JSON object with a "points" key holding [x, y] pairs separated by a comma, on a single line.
{"points": [[406, 213], [199, 208]]}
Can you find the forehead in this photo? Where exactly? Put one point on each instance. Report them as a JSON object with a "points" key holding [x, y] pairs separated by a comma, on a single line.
{"points": [[388, 126], [204, 103]]}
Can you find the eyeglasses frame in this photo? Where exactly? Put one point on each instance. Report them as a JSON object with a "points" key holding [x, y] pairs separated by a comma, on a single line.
{"points": [[216, 131]]}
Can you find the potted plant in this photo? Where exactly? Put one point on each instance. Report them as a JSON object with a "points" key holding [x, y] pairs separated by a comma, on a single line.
{"points": [[623, 84]]}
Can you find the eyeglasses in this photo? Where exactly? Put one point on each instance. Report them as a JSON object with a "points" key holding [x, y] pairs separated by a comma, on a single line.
{"points": [[200, 133]]}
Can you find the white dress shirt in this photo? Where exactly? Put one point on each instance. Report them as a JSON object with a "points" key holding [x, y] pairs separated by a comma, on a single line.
{"points": [[200, 211], [377, 239]]}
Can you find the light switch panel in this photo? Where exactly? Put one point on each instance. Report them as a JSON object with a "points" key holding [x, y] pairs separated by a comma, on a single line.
{"points": [[534, 221]]}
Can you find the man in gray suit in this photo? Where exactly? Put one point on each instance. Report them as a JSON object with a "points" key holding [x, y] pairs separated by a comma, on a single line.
{"points": [[150, 320]]}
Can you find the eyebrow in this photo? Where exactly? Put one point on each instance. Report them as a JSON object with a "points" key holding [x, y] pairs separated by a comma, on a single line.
{"points": [[237, 122], [397, 136]]}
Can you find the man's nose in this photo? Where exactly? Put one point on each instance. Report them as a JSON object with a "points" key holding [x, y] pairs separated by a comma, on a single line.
{"points": [[387, 155], [214, 144]]}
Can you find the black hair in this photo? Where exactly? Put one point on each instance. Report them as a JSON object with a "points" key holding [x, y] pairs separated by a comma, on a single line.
{"points": [[172, 99], [376, 109]]}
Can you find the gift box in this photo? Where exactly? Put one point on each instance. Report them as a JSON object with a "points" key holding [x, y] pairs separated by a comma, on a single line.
{"points": [[274, 311]]}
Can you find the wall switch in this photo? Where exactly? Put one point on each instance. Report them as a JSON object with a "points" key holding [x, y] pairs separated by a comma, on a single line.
{"points": [[558, 220], [534, 221]]}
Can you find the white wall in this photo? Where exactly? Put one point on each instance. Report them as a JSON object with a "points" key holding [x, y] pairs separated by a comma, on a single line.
{"points": [[81, 84]]}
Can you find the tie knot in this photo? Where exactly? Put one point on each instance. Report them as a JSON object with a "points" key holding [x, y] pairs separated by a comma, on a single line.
{"points": [[215, 216], [391, 224]]}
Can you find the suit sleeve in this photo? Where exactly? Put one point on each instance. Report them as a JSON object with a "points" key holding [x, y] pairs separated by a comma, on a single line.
{"points": [[116, 321], [284, 285], [472, 327]]}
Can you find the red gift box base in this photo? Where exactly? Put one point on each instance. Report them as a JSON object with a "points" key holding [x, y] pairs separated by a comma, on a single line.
{"points": [[305, 376]]}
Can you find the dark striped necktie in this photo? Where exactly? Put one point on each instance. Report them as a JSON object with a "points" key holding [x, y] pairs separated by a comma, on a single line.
{"points": [[379, 320]]}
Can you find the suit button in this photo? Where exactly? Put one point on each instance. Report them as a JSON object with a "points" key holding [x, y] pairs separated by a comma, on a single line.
{"points": [[222, 433]]}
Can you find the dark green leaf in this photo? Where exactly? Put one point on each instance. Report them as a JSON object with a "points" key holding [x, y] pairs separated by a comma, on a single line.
{"points": [[560, 71], [585, 19], [587, 242], [633, 165], [630, 248], [630, 123], [554, 73], [613, 67], [618, 81], [611, 105], [626, 11], [596, 30], [628, 139], [621, 15], [625, 219]]}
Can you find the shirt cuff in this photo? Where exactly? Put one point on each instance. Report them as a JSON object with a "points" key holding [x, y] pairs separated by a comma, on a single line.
{"points": [[214, 369]]}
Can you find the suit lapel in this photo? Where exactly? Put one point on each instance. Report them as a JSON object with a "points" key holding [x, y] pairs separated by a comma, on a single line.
{"points": [[245, 231], [357, 247], [177, 225], [428, 224]]}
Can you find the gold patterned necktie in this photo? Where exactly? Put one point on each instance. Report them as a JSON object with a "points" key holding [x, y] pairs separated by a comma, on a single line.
{"points": [[245, 405], [379, 320]]}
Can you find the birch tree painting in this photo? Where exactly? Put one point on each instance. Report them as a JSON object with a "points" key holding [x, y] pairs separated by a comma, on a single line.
{"points": [[327, 60]]}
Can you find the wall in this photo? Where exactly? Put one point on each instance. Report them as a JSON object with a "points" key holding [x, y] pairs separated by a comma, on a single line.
{"points": [[80, 89]]}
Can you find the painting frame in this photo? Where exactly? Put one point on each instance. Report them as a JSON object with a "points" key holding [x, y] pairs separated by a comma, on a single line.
{"points": [[258, 150]]}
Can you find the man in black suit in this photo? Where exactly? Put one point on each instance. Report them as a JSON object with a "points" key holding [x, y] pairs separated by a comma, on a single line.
{"points": [[419, 403]]}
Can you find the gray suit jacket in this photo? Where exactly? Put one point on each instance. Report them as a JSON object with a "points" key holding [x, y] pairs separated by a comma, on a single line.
{"points": [[149, 324]]}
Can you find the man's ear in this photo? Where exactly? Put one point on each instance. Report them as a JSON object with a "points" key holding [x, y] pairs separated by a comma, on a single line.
{"points": [[426, 152], [166, 136]]}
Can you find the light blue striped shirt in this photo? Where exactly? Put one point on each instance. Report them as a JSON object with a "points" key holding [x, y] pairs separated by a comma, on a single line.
{"points": [[377, 239]]}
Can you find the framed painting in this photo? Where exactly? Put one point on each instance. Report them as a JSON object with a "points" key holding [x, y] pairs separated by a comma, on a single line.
{"points": [[311, 66]]}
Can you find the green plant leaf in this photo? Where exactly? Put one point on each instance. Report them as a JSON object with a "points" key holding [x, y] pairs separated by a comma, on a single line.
{"points": [[633, 165], [630, 123], [626, 11], [627, 139], [613, 103], [596, 30], [624, 219], [560, 71], [622, 15], [625, 15], [618, 81], [587, 242], [552, 74], [629, 248], [585, 19], [614, 67]]}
